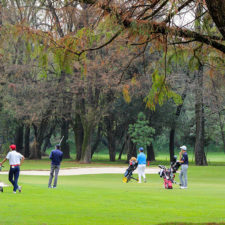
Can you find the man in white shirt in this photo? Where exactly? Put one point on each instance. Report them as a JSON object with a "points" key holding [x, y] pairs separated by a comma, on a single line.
{"points": [[15, 160]]}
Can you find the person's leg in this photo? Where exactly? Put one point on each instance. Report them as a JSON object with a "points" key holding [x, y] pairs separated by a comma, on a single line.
{"points": [[139, 173], [11, 176], [181, 176], [56, 175], [143, 172], [51, 176], [185, 175], [16, 177]]}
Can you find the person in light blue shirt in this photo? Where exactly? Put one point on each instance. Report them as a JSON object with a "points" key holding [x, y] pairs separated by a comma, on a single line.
{"points": [[141, 164]]}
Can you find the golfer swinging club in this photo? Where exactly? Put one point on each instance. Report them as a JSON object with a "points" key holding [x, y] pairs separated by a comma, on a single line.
{"points": [[15, 161], [56, 157]]}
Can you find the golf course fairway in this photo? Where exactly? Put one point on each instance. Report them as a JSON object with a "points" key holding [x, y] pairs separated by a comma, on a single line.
{"points": [[104, 199]]}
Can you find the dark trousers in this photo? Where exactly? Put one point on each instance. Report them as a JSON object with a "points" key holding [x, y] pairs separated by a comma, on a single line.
{"points": [[14, 173], [54, 168]]}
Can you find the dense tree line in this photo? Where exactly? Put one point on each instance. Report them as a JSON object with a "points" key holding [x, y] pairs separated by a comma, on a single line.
{"points": [[88, 68]]}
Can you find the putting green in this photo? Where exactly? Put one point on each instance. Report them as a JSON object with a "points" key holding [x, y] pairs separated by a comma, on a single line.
{"points": [[105, 199]]}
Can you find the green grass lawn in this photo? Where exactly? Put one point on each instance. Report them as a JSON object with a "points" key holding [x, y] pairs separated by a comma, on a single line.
{"points": [[104, 199], [100, 160]]}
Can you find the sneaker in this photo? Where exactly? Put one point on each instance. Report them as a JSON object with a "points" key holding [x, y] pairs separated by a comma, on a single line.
{"points": [[54, 187], [185, 187], [14, 192], [139, 182], [181, 187], [145, 180], [20, 188], [1, 189], [49, 186]]}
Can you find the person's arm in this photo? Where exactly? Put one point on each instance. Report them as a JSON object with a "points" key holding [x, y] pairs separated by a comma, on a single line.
{"points": [[50, 157], [22, 159], [7, 157], [180, 155], [3, 161], [181, 159]]}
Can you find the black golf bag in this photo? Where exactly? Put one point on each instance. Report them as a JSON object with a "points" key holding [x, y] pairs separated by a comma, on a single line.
{"points": [[168, 174], [129, 172]]}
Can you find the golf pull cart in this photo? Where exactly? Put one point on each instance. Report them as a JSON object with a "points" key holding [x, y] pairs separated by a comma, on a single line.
{"points": [[128, 175], [1, 188], [168, 174]]}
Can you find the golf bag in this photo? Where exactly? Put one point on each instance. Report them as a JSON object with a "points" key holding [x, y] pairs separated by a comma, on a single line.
{"points": [[129, 172], [1, 188], [168, 174]]}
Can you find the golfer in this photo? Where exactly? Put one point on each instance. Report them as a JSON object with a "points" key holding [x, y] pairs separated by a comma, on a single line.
{"points": [[184, 167], [15, 161], [141, 159], [56, 157]]}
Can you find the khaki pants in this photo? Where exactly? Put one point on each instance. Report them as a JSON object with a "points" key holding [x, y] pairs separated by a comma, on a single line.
{"points": [[141, 171], [183, 175]]}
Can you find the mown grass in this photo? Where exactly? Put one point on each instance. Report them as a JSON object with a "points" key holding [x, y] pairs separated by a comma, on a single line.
{"points": [[104, 199], [101, 160]]}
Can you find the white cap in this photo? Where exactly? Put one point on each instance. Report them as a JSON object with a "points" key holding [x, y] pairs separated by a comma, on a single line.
{"points": [[183, 148]]}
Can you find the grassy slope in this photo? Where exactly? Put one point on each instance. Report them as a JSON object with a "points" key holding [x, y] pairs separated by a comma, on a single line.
{"points": [[104, 199]]}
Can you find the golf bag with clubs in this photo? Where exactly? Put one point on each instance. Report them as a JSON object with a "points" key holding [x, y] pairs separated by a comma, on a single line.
{"points": [[168, 174], [128, 175], [1, 188]]}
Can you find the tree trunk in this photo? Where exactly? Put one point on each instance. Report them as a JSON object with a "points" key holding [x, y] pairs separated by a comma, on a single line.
{"points": [[19, 138], [65, 133], [27, 142], [173, 128], [111, 137], [121, 151], [131, 149], [216, 10], [97, 141], [86, 146], [150, 153], [221, 130], [172, 137], [47, 144], [200, 157], [35, 151], [78, 136], [218, 110]]}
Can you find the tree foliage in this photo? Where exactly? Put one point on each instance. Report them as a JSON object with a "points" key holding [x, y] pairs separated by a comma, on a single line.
{"points": [[141, 133]]}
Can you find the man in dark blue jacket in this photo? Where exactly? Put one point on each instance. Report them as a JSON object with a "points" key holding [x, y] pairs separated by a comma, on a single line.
{"points": [[56, 157]]}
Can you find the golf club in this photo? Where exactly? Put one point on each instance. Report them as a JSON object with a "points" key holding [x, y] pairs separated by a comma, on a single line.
{"points": [[61, 140]]}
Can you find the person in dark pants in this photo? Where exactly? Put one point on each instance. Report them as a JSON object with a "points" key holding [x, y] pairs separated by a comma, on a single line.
{"points": [[15, 161], [56, 157]]}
